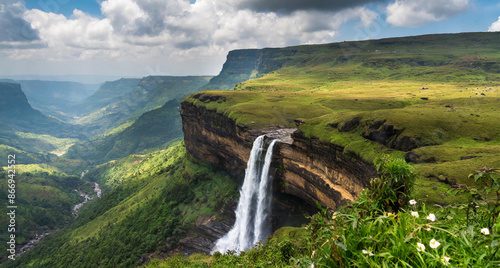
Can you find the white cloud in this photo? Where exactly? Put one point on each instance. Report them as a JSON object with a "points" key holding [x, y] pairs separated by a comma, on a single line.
{"points": [[124, 15], [78, 38], [14, 30], [412, 13], [177, 33], [495, 27]]}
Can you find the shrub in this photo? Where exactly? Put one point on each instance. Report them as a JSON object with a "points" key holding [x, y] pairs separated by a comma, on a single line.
{"points": [[391, 190]]}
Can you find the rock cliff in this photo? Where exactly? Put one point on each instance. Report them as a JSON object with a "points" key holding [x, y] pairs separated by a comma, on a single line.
{"points": [[307, 168], [17, 114]]}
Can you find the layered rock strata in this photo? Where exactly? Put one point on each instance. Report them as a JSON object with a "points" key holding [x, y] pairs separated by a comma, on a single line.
{"points": [[312, 170]]}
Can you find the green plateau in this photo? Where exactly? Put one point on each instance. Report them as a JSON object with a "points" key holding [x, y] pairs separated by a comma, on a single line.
{"points": [[433, 99]]}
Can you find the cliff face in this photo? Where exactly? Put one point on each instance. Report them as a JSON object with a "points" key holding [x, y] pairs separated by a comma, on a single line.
{"points": [[17, 113], [320, 172], [14, 102], [245, 64], [306, 168]]}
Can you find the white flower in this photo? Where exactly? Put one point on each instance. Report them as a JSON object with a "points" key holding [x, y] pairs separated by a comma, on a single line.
{"points": [[434, 243], [485, 231], [420, 247], [431, 217], [413, 202], [414, 214], [369, 252], [445, 260]]}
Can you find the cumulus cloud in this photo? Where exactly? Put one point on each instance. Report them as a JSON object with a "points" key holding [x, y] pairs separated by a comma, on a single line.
{"points": [[495, 27], [181, 33], [411, 13], [79, 31], [289, 6], [13, 27]]}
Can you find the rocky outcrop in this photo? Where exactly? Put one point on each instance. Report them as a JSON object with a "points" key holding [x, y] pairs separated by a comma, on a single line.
{"points": [[287, 211], [306, 168], [209, 229], [320, 172]]}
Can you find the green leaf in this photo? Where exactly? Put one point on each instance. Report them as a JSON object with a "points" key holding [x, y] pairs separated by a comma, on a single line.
{"points": [[339, 244], [453, 192]]}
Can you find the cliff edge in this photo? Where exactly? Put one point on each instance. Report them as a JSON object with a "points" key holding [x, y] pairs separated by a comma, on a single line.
{"points": [[312, 170]]}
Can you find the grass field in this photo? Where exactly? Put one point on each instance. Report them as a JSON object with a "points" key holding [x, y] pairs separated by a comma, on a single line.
{"points": [[435, 97]]}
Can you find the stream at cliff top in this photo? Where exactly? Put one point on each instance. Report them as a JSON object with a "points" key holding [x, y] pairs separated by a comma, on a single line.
{"points": [[254, 205]]}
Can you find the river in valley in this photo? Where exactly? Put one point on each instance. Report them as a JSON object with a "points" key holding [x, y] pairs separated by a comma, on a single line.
{"points": [[87, 198], [33, 242]]}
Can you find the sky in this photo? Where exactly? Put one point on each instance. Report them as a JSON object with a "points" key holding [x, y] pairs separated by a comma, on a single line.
{"points": [[136, 38]]}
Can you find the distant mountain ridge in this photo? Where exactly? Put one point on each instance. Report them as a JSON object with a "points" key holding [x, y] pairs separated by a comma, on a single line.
{"points": [[16, 111], [151, 130], [55, 98], [240, 66], [107, 93], [446, 53], [149, 93], [27, 131]]}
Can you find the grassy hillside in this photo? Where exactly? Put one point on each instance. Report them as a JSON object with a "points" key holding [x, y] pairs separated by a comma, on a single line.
{"points": [[45, 197], [151, 92], [432, 99], [377, 230], [107, 93], [151, 199], [34, 136], [150, 130]]}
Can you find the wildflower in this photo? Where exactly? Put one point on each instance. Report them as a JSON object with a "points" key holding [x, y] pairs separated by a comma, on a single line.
{"points": [[420, 247], [485, 231], [431, 217], [312, 265], [434, 243], [445, 260], [414, 214], [388, 214], [413, 202], [369, 252]]}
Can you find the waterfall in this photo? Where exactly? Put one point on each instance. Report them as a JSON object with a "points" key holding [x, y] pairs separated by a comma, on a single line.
{"points": [[254, 204], [264, 198]]}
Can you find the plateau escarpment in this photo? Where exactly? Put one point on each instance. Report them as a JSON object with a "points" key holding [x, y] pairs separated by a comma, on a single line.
{"points": [[360, 100], [312, 170]]}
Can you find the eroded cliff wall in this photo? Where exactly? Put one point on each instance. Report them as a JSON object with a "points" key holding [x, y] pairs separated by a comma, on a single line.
{"points": [[307, 168]]}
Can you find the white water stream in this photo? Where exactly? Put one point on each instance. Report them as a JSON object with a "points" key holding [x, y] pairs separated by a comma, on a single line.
{"points": [[254, 205]]}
